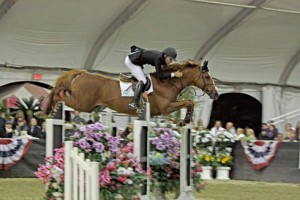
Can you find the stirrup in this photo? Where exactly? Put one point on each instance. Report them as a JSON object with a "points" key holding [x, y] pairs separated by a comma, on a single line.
{"points": [[133, 106]]}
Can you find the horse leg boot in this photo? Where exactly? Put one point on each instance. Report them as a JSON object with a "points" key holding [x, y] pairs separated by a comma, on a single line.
{"points": [[134, 105]]}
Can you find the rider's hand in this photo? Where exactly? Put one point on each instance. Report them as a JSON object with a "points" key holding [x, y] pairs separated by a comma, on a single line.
{"points": [[178, 74]]}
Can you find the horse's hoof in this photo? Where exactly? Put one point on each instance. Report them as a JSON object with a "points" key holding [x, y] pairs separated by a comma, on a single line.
{"points": [[181, 123]]}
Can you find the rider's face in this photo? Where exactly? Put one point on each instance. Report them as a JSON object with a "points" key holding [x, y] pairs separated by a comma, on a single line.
{"points": [[168, 59]]}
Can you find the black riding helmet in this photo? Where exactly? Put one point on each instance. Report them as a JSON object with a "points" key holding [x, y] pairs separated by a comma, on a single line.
{"points": [[170, 51]]}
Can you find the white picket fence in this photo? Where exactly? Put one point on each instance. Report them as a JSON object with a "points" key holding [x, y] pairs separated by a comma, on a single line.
{"points": [[81, 175]]}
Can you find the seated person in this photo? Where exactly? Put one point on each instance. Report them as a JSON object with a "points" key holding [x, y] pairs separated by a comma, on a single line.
{"points": [[250, 135], [34, 130], [279, 137], [9, 130], [273, 132], [291, 137], [21, 128], [239, 134], [2, 125], [263, 135]]}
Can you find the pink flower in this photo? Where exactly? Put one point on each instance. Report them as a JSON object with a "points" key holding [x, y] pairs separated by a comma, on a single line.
{"points": [[111, 166], [104, 177], [122, 179]]}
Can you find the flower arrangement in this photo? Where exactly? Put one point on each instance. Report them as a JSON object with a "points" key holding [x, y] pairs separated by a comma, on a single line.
{"points": [[203, 139], [120, 173], [223, 160], [224, 139], [164, 160], [205, 159], [52, 174]]}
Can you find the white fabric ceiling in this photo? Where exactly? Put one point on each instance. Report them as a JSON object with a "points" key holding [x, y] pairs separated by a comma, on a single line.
{"points": [[257, 44]]}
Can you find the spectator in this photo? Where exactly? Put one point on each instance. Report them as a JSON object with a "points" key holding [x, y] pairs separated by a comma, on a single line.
{"points": [[264, 130], [273, 132], [2, 125], [9, 130], [292, 137], [34, 130], [230, 128], [77, 119], [250, 135], [288, 129], [279, 137], [21, 128], [239, 134], [217, 128], [263, 135], [19, 114]]}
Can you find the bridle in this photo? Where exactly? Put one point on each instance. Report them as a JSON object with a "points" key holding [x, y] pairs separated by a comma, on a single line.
{"points": [[205, 88]]}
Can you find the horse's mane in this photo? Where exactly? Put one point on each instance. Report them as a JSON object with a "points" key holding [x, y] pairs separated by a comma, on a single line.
{"points": [[188, 63], [67, 77]]}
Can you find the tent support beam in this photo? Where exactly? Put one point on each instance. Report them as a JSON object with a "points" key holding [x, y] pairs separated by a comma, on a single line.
{"points": [[110, 29], [226, 28], [289, 68], [5, 6]]}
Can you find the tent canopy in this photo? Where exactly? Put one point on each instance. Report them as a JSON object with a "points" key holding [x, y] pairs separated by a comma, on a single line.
{"points": [[245, 41]]}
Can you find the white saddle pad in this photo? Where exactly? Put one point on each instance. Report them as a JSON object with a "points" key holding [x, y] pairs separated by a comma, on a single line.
{"points": [[126, 88]]}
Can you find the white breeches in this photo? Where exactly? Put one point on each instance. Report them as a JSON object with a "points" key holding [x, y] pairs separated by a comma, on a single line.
{"points": [[136, 70]]}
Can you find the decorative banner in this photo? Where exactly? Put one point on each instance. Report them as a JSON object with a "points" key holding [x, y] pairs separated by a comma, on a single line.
{"points": [[12, 150], [260, 153]]}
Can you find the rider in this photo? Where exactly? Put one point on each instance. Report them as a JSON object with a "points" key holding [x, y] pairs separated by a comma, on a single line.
{"points": [[138, 57]]}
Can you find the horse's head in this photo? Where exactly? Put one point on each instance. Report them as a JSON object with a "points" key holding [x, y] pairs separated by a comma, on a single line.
{"points": [[200, 77], [51, 100], [207, 84]]}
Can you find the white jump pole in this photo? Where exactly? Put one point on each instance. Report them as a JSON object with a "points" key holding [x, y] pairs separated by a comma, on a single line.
{"points": [[186, 179], [141, 147], [55, 131]]}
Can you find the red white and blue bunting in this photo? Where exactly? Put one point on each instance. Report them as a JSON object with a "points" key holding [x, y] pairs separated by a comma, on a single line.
{"points": [[12, 150], [260, 153]]}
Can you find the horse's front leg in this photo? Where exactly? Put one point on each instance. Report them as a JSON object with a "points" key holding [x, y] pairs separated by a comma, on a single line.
{"points": [[174, 106]]}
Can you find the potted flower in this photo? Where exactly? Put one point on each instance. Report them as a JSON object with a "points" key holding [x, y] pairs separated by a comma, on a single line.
{"points": [[203, 152], [222, 164], [223, 146], [224, 142]]}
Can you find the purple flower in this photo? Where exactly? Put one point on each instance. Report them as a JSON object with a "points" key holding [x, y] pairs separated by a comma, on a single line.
{"points": [[97, 136], [99, 147], [160, 146], [155, 140], [82, 128], [84, 145], [99, 126], [165, 136], [77, 134], [93, 127]]}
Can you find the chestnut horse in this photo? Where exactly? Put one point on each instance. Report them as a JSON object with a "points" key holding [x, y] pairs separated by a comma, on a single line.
{"points": [[83, 90]]}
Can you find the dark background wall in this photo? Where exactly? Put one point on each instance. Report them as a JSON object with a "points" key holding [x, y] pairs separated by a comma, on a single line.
{"points": [[284, 167], [241, 109]]}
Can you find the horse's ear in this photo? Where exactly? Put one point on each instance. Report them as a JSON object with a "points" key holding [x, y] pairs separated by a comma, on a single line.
{"points": [[204, 67]]}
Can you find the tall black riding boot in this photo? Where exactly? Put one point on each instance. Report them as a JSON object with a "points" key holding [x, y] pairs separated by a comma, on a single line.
{"points": [[134, 105]]}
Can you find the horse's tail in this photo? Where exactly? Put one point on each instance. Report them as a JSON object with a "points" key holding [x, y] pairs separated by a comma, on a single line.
{"points": [[63, 83]]}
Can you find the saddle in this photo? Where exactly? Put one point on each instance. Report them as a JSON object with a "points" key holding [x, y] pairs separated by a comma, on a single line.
{"points": [[127, 78]]}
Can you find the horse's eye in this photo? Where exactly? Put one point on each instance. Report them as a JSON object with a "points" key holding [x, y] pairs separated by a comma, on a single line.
{"points": [[207, 77]]}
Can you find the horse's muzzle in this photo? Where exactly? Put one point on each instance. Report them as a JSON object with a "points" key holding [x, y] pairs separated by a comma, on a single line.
{"points": [[214, 95]]}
